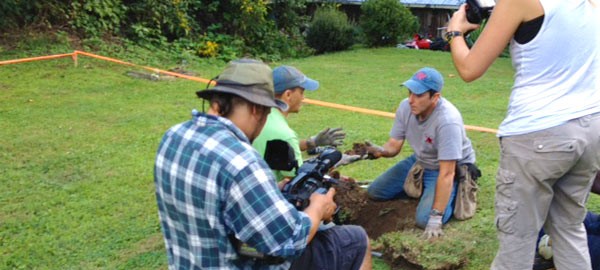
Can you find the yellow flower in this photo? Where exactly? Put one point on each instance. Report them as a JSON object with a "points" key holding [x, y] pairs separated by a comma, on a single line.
{"points": [[210, 49]]}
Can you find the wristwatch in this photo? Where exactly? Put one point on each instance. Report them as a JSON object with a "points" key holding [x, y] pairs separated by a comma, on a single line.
{"points": [[435, 212], [451, 34]]}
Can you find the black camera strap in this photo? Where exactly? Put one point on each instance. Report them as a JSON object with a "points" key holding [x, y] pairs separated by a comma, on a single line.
{"points": [[247, 252]]}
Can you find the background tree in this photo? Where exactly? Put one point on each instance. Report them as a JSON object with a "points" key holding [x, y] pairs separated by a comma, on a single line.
{"points": [[384, 22], [329, 31]]}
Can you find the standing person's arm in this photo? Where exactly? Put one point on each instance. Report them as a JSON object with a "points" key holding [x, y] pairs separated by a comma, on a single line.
{"points": [[500, 28]]}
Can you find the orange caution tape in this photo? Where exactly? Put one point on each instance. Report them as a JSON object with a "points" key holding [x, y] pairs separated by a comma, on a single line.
{"points": [[348, 108], [156, 70], [380, 113], [198, 79], [23, 60]]}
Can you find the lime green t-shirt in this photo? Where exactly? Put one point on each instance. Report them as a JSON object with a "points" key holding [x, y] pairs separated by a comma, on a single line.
{"points": [[277, 128]]}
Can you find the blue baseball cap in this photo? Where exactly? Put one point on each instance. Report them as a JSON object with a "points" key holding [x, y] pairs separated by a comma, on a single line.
{"points": [[424, 80], [287, 77]]}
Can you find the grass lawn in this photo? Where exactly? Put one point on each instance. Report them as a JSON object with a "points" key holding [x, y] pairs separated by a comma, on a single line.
{"points": [[78, 146]]}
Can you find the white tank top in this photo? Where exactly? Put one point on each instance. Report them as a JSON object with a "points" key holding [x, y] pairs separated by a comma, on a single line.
{"points": [[557, 73]]}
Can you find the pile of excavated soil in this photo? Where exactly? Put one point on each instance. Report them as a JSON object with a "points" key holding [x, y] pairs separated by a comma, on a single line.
{"points": [[376, 217]]}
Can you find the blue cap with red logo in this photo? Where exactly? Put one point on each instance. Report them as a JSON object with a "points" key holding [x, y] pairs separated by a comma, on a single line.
{"points": [[424, 80]]}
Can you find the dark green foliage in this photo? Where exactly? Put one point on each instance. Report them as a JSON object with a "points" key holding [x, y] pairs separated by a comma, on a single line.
{"points": [[330, 31], [97, 17], [39, 13], [269, 30], [384, 22], [153, 20], [289, 14]]}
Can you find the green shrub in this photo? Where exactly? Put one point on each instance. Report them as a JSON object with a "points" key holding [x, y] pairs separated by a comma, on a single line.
{"points": [[152, 19], [384, 22], [329, 31], [37, 13], [95, 18], [266, 29], [289, 14]]}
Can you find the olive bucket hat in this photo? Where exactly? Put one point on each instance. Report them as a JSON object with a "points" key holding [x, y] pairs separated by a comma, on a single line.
{"points": [[249, 79]]}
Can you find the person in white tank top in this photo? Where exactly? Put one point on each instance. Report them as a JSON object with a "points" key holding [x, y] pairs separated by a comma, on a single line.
{"points": [[550, 148]]}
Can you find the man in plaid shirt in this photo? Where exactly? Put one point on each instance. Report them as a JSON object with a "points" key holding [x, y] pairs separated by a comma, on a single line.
{"points": [[214, 191]]}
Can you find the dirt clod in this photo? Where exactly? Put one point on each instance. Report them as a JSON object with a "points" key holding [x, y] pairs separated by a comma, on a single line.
{"points": [[359, 149]]}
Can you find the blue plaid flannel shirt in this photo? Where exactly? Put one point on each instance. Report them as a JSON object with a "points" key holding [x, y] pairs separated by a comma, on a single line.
{"points": [[211, 183]]}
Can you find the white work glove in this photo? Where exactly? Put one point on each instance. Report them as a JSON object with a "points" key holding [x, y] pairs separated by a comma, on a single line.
{"points": [[434, 227], [347, 159], [328, 136]]}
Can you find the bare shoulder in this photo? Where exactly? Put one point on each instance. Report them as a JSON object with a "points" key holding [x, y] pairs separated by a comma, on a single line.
{"points": [[521, 10]]}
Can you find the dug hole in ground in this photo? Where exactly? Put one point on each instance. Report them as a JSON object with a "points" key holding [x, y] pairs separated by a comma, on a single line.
{"points": [[381, 217]]}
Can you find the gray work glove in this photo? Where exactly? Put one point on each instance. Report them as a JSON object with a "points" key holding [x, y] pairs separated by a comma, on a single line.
{"points": [[373, 151], [347, 159], [434, 227], [328, 136]]}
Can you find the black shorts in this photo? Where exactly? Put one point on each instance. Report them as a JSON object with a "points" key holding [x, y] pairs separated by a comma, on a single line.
{"points": [[339, 247]]}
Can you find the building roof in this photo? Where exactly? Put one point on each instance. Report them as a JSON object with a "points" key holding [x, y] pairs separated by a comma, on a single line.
{"points": [[443, 4]]}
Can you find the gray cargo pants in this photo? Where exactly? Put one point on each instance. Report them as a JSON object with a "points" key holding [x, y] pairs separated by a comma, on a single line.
{"points": [[544, 179]]}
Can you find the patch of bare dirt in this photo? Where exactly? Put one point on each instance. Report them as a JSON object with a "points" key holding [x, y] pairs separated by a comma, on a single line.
{"points": [[376, 217]]}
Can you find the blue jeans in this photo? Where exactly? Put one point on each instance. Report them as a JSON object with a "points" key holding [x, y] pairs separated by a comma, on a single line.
{"points": [[390, 185], [592, 226]]}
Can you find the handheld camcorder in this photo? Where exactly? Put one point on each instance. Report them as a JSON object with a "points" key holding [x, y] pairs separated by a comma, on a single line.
{"points": [[312, 177], [478, 10]]}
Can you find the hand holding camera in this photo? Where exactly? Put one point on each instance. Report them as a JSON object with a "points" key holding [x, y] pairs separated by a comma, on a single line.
{"points": [[468, 17], [324, 204], [312, 177], [479, 10]]}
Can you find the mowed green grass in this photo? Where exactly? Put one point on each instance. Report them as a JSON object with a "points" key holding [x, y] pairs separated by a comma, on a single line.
{"points": [[78, 144]]}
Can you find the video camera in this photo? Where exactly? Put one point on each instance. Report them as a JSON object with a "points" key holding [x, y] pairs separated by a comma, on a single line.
{"points": [[478, 10], [311, 177]]}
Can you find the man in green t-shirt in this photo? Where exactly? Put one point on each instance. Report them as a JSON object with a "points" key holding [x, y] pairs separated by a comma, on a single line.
{"points": [[290, 85]]}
